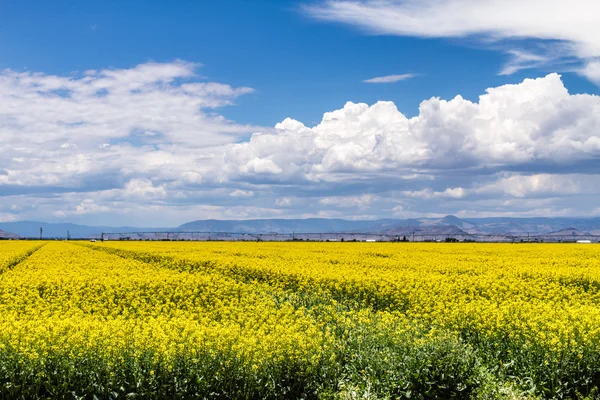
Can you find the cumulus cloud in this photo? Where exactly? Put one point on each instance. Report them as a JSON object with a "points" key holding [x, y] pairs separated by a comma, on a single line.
{"points": [[147, 144], [143, 188], [390, 78], [564, 29], [511, 127], [260, 166]]}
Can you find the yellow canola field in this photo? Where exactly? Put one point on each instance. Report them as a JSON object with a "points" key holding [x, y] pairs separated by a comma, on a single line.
{"points": [[299, 320], [546, 294]]}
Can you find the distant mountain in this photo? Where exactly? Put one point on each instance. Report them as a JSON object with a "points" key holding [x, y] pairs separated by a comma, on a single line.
{"points": [[322, 225], [31, 229], [426, 226], [449, 225], [309, 225], [425, 230], [8, 235], [568, 232], [533, 226]]}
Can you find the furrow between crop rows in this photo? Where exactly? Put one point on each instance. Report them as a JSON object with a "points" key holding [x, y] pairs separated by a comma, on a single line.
{"points": [[18, 259]]}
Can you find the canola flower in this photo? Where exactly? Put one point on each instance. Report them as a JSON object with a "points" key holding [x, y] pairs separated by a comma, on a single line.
{"points": [[299, 320]]}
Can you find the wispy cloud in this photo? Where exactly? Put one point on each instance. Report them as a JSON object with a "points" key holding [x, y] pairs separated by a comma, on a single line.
{"points": [[566, 32], [522, 60], [390, 78]]}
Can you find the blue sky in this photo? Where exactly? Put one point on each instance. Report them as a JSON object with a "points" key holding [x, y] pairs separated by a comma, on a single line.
{"points": [[294, 61], [300, 67]]}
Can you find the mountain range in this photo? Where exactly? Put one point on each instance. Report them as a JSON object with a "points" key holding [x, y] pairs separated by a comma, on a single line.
{"points": [[449, 225], [442, 226]]}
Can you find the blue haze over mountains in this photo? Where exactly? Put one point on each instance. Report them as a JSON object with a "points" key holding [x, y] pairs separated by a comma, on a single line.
{"points": [[449, 225]]}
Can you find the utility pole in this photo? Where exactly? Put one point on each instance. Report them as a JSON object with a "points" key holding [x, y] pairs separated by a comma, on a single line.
{"points": [[41, 232], [68, 236], [413, 236]]}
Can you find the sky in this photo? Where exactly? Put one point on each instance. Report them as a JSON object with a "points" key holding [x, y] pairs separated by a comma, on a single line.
{"points": [[156, 113]]}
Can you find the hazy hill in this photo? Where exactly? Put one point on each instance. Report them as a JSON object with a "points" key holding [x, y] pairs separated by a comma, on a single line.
{"points": [[449, 225], [427, 230], [31, 229], [7, 235], [309, 225], [517, 226], [568, 232]]}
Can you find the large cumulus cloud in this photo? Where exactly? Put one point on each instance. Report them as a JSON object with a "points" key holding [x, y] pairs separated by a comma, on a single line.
{"points": [[511, 127]]}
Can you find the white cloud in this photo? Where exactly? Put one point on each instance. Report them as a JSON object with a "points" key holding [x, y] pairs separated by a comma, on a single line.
{"points": [[454, 193], [144, 144], [260, 166], [361, 201], [592, 71], [512, 126], [59, 130], [242, 193], [283, 202], [520, 59], [88, 206], [567, 29], [549, 212], [7, 217], [143, 188], [390, 78], [544, 185]]}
